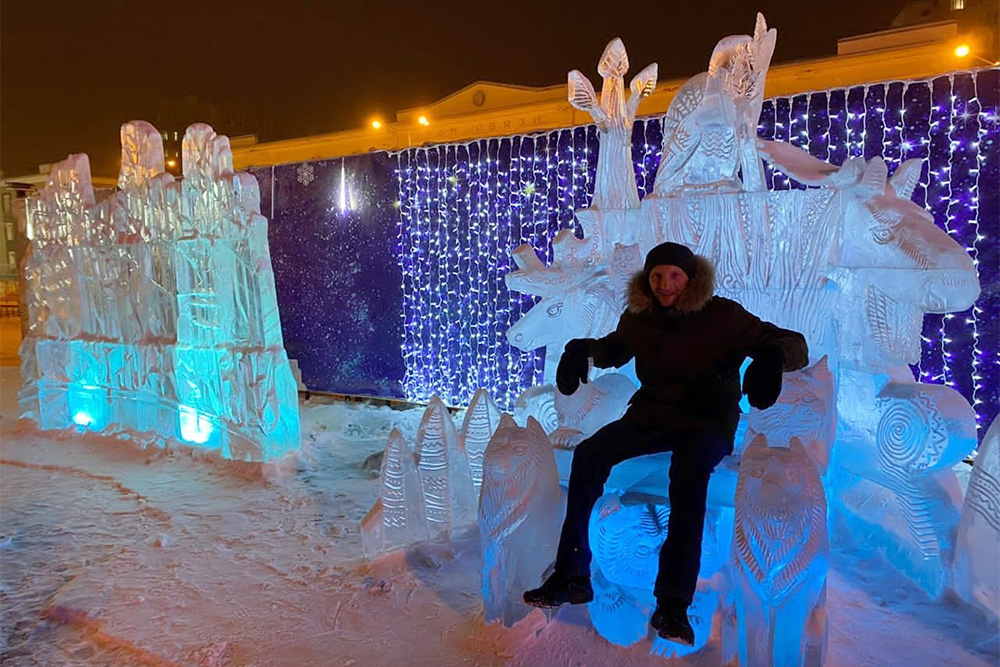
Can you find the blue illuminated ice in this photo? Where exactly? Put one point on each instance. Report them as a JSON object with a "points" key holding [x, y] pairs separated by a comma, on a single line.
{"points": [[781, 556], [977, 547], [153, 311], [520, 511]]}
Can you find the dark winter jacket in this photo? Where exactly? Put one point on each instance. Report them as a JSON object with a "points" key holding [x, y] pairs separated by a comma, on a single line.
{"points": [[688, 356]]}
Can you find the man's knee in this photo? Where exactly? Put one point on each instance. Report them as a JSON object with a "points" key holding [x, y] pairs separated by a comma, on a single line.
{"points": [[588, 455], [597, 452]]}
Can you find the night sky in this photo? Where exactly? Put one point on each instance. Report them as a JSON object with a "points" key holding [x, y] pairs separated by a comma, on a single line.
{"points": [[72, 72]]}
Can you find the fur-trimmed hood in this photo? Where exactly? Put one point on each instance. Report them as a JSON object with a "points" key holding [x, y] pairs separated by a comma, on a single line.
{"points": [[695, 296]]}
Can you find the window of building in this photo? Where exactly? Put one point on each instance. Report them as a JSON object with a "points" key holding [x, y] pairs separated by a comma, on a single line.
{"points": [[11, 260], [6, 202], [957, 4], [9, 230]]}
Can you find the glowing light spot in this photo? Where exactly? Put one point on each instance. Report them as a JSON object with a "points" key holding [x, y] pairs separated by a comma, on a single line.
{"points": [[195, 427], [83, 418]]}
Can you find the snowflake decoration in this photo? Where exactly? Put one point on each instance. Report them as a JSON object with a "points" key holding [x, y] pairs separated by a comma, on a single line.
{"points": [[305, 174]]}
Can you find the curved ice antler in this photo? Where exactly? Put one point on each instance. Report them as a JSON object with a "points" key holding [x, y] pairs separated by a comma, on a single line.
{"points": [[905, 180], [808, 170], [761, 50]]}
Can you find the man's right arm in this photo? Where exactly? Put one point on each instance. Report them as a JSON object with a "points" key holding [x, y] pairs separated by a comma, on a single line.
{"points": [[614, 349]]}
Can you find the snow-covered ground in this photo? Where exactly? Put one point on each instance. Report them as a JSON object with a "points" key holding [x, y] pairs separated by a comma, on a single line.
{"points": [[110, 555]]}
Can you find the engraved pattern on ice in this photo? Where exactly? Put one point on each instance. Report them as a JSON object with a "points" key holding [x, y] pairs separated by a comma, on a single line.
{"points": [[449, 496], [519, 516], [480, 423], [397, 519]]}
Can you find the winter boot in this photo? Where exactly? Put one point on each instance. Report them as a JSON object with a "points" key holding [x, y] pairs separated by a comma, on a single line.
{"points": [[670, 620], [559, 589]]}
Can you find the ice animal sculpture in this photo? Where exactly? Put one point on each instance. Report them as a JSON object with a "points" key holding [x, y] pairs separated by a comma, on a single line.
{"points": [[977, 547], [621, 615], [538, 402], [852, 263], [449, 495], [520, 512], [153, 312], [482, 418], [593, 405], [805, 410], [397, 519], [896, 439], [710, 131], [626, 533], [781, 558]]}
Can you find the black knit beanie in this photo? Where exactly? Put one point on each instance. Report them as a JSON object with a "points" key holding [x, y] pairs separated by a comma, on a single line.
{"points": [[671, 253]]}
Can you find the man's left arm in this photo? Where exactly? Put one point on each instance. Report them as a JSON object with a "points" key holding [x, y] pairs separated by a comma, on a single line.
{"points": [[774, 350]]}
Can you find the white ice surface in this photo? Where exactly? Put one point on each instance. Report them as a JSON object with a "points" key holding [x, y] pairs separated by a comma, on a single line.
{"points": [[114, 556]]}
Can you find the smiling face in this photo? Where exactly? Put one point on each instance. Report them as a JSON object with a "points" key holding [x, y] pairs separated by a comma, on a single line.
{"points": [[667, 282]]}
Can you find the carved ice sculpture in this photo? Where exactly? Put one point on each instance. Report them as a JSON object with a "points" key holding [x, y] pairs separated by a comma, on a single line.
{"points": [[397, 518], [480, 423], [449, 495], [977, 547], [781, 558], [626, 534], [153, 311], [621, 615], [853, 264], [710, 130], [897, 439], [804, 410], [538, 402], [520, 512], [614, 116], [593, 405]]}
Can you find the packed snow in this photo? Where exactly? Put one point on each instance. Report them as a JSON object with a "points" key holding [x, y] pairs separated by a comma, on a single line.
{"points": [[115, 555]]}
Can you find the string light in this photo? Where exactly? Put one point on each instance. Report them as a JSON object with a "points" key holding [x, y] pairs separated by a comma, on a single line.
{"points": [[524, 189]]}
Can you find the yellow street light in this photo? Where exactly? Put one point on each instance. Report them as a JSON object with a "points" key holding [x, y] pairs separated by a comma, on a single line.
{"points": [[965, 51], [423, 121], [171, 162], [377, 124]]}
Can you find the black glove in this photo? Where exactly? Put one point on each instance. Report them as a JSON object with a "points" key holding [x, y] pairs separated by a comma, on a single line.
{"points": [[762, 380], [574, 366]]}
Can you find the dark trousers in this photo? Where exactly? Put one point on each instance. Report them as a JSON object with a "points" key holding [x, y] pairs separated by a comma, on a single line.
{"points": [[695, 455]]}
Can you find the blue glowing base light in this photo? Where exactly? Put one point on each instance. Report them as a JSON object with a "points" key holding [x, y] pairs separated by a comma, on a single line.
{"points": [[153, 312]]}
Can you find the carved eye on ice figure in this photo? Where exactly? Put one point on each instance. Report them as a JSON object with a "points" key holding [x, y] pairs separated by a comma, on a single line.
{"points": [[555, 309], [883, 235], [757, 472], [520, 450], [933, 303]]}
